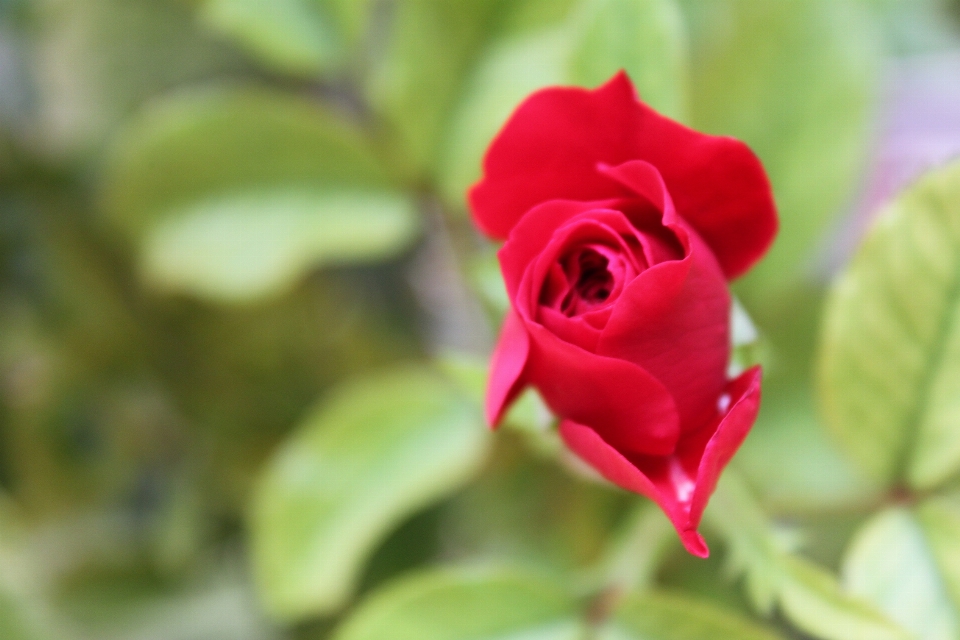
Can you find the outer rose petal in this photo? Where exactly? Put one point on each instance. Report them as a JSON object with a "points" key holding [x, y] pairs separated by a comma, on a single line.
{"points": [[506, 367], [681, 483], [619, 399], [550, 147]]}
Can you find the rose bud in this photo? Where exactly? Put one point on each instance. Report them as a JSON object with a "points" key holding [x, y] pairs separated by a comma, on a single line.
{"points": [[622, 229]]}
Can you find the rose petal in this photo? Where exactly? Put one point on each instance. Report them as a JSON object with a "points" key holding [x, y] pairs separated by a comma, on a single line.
{"points": [[605, 232], [615, 467], [743, 394], [506, 367], [626, 404], [644, 179], [681, 483], [574, 330], [550, 147], [672, 320], [536, 232]]}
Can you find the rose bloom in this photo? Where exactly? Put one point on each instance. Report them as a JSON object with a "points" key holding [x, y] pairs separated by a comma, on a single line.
{"points": [[622, 229]]}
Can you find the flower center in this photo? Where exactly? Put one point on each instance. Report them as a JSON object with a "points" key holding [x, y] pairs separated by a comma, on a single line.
{"points": [[593, 281]]}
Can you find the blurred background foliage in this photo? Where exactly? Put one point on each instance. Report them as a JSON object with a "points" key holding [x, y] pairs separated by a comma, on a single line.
{"points": [[244, 321]]}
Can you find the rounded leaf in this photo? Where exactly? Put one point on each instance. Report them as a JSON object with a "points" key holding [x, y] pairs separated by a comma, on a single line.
{"points": [[890, 564], [662, 616], [224, 141], [372, 453], [890, 352], [245, 247], [289, 35], [466, 604]]}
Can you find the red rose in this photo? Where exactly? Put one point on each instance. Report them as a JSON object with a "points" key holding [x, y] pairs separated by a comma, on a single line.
{"points": [[622, 228]]}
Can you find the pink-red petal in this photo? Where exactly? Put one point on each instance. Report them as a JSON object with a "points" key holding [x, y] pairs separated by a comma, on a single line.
{"points": [[619, 399], [551, 146], [506, 368], [744, 395], [536, 232], [672, 320], [680, 483]]}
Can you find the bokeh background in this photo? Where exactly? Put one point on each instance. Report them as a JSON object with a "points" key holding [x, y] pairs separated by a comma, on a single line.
{"points": [[244, 320]]}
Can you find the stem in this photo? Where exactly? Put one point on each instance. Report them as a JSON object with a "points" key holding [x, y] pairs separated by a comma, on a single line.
{"points": [[630, 563], [457, 319]]}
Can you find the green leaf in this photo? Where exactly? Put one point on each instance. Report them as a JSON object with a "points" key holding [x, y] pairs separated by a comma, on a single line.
{"points": [[890, 564], [662, 616], [234, 192], [289, 35], [428, 48], [890, 352], [374, 452], [788, 441], [202, 144], [808, 596], [467, 370], [797, 81], [352, 17], [646, 38], [15, 624], [940, 518], [92, 61], [465, 604], [245, 247], [811, 598], [906, 562]]}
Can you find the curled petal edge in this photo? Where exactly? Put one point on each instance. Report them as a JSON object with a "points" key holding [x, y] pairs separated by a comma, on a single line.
{"points": [[506, 368], [664, 479]]}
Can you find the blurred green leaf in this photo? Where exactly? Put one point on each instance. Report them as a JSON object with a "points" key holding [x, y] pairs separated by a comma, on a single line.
{"points": [[249, 246], [890, 564], [16, 621], [890, 352], [235, 192], [646, 38], [940, 518], [811, 598], [663, 616], [289, 35], [352, 17], [467, 370], [429, 46], [13, 624], [91, 61], [787, 442], [371, 454], [466, 604], [797, 81], [229, 140], [808, 596]]}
